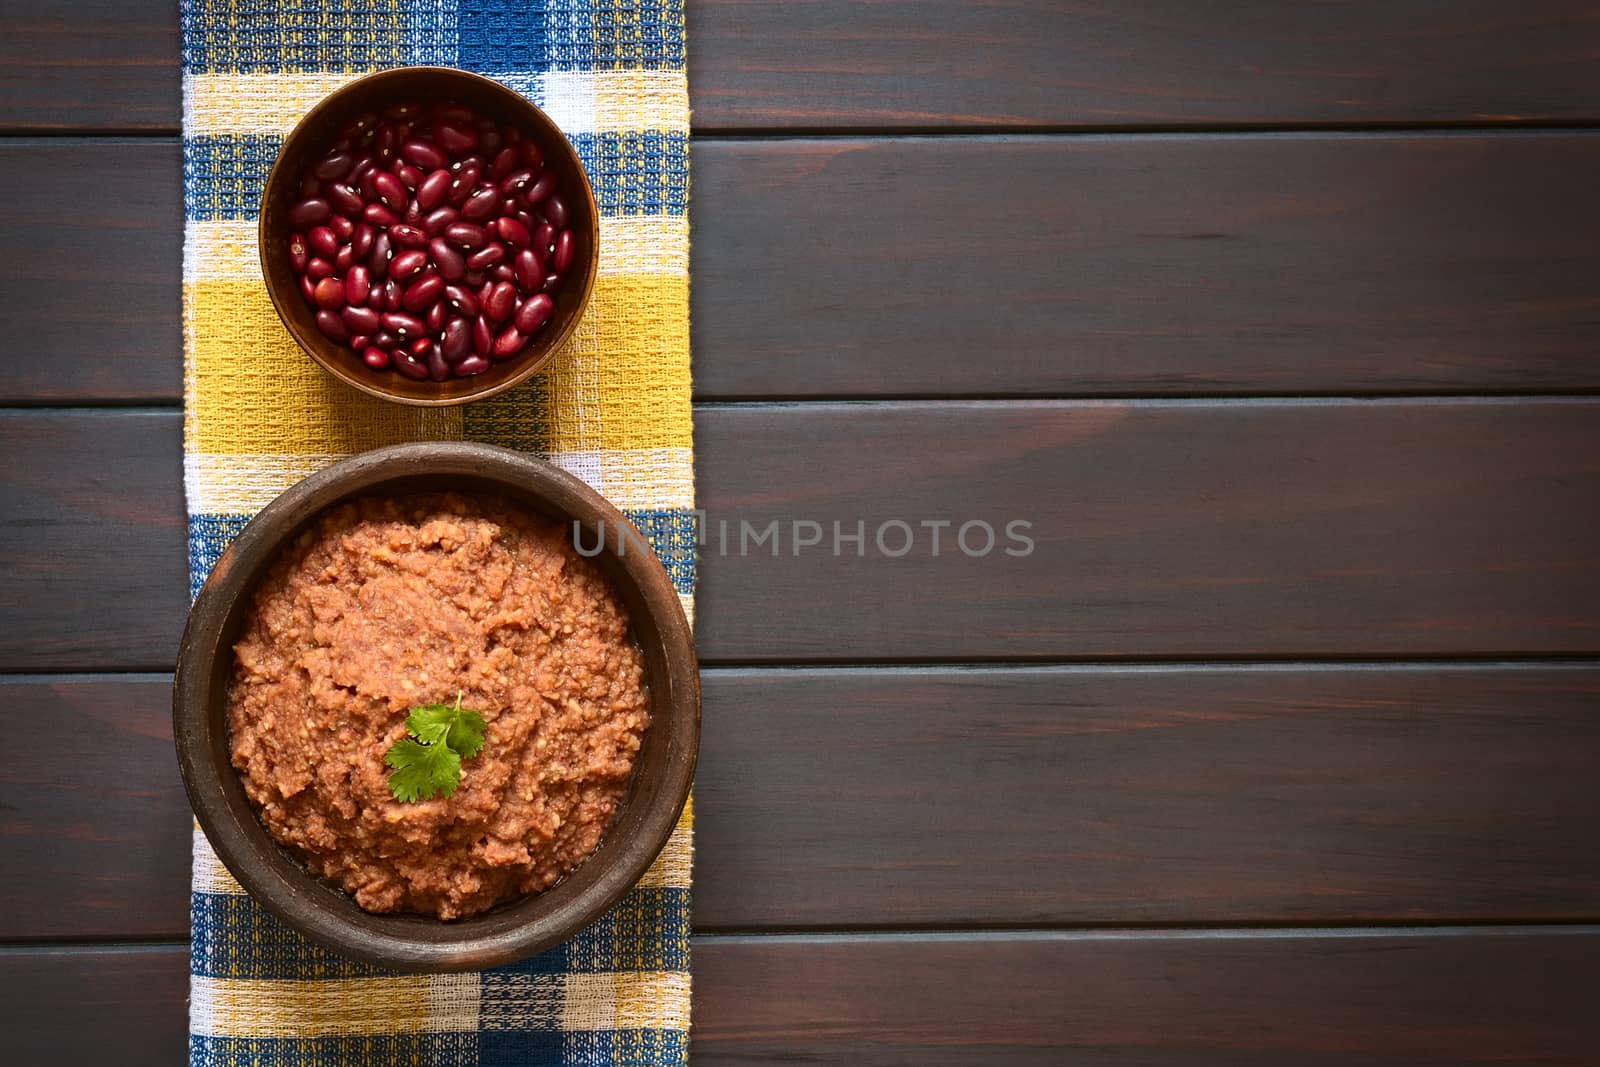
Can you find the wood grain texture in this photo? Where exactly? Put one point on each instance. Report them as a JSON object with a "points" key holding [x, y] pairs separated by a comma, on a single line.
{"points": [[97, 809], [909, 63], [1081, 266], [1310, 998], [1159, 530], [976, 797], [91, 270], [92, 539], [1146, 265], [753, 64], [98, 65]]}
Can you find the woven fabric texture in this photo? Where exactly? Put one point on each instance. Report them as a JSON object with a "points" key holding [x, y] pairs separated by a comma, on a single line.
{"points": [[613, 409]]}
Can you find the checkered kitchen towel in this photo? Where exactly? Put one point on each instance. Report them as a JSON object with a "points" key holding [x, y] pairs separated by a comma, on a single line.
{"points": [[614, 410]]}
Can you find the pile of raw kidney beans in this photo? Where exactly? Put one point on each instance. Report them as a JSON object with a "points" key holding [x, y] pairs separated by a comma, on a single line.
{"points": [[430, 240]]}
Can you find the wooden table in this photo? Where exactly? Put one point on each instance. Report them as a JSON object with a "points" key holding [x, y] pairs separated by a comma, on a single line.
{"points": [[1281, 325]]}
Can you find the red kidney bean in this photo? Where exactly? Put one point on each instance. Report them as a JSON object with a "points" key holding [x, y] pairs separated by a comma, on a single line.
{"points": [[333, 166], [376, 358], [404, 326], [402, 112], [318, 269], [465, 234], [483, 293], [409, 176], [378, 215], [378, 258], [427, 352], [462, 186], [461, 300], [474, 279], [433, 189], [473, 162], [534, 312], [360, 342], [435, 318], [361, 124], [308, 288], [407, 263], [505, 161], [423, 154], [544, 239], [540, 189], [555, 211], [329, 294], [384, 339], [508, 206], [298, 256], [448, 111], [470, 366], [508, 343], [482, 336], [410, 365], [451, 264], [480, 205], [502, 272], [487, 256], [550, 282], [436, 221], [390, 190], [307, 213], [358, 286], [391, 295], [309, 187], [457, 140], [500, 301], [363, 168], [384, 142], [362, 320], [524, 216], [512, 232], [566, 250], [412, 216], [361, 240], [342, 227], [423, 292], [516, 181], [368, 184], [457, 340], [531, 154], [528, 270], [323, 241], [488, 138], [409, 236], [343, 258], [343, 199], [332, 326]]}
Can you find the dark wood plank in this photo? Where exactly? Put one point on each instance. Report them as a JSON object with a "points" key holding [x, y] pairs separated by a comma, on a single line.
{"points": [[1148, 265], [977, 797], [1169, 795], [1159, 530], [1103, 63], [89, 64], [92, 539], [1109, 266], [950, 63], [91, 237], [71, 1006], [97, 810], [1312, 998]]}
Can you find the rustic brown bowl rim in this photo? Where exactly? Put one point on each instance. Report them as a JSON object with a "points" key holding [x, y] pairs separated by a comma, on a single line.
{"points": [[324, 913], [294, 314]]}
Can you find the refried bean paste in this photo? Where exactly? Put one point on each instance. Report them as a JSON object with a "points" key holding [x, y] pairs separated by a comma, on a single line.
{"points": [[386, 604]]}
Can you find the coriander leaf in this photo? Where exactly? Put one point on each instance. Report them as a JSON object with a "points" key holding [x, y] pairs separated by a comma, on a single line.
{"points": [[422, 771], [430, 765]]}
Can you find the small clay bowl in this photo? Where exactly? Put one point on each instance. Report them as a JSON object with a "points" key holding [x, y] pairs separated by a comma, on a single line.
{"points": [[512, 930], [311, 140]]}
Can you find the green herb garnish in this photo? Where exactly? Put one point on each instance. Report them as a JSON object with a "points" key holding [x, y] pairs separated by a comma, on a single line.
{"points": [[428, 763]]}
